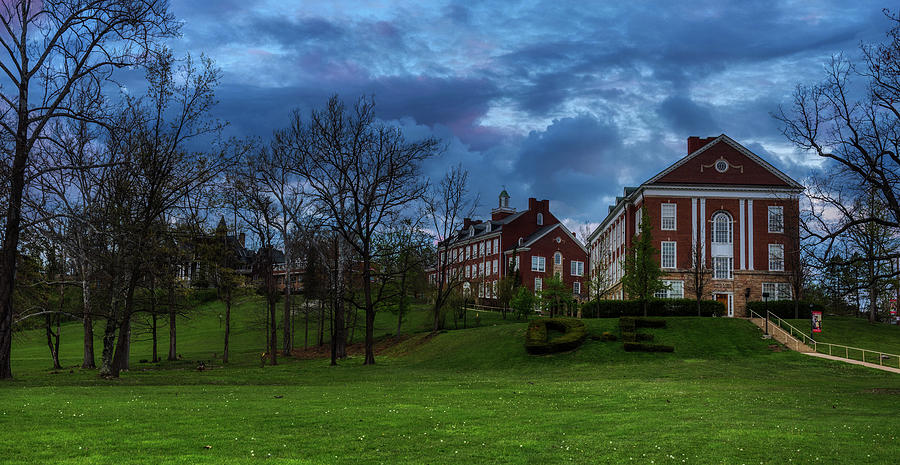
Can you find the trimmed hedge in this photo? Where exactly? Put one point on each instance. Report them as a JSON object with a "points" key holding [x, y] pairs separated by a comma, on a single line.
{"points": [[655, 307], [644, 347], [784, 308], [536, 339]]}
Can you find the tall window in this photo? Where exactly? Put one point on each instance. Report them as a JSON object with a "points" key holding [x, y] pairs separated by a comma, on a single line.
{"points": [[777, 291], [723, 268], [538, 284], [497, 245], [577, 268], [576, 288], [776, 219], [481, 249], [496, 268], [638, 217], [668, 217], [538, 263], [540, 219], [468, 251], [776, 257], [667, 254], [722, 232], [489, 247], [674, 290], [557, 258]]}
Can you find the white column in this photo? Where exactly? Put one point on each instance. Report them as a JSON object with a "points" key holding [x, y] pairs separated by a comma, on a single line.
{"points": [[750, 234], [693, 230], [741, 217], [703, 230]]}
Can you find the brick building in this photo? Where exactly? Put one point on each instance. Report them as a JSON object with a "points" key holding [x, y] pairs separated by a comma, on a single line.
{"points": [[721, 206], [533, 240]]}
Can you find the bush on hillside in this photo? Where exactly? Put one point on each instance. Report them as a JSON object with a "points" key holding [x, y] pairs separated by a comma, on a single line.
{"points": [[655, 307], [784, 308], [537, 336]]}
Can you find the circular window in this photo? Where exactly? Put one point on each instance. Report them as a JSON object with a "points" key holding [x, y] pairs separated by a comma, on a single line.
{"points": [[558, 240], [721, 166]]}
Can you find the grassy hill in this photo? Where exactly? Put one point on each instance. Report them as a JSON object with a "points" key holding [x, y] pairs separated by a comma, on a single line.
{"points": [[462, 396]]}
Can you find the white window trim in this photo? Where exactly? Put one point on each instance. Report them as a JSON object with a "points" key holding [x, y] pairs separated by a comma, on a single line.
{"points": [[576, 288], [771, 256], [662, 217], [538, 284], [538, 263], [559, 256], [662, 263], [769, 218]]}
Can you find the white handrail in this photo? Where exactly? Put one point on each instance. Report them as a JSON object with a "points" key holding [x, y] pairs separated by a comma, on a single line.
{"points": [[791, 329]]}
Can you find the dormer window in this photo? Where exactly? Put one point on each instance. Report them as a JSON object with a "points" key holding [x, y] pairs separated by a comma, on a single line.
{"points": [[487, 227], [520, 241], [540, 219], [471, 231]]}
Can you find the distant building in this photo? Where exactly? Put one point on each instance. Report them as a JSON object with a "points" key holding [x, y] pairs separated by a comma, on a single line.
{"points": [[532, 241], [721, 203]]}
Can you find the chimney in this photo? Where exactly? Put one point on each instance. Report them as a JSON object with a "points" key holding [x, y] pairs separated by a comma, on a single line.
{"points": [[695, 143], [242, 238], [532, 203], [467, 222]]}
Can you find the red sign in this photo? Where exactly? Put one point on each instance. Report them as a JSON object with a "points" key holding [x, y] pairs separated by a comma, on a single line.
{"points": [[817, 322]]}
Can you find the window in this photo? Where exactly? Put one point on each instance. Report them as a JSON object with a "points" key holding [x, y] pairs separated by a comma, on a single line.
{"points": [[488, 248], [557, 258], [721, 166], [468, 272], [722, 228], [777, 291], [538, 285], [468, 251], [488, 266], [496, 245], [481, 249], [577, 268], [540, 219], [513, 264], [668, 217], [496, 268], [481, 290], [674, 290], [723, 268], [481, 269], [667, 254], [776, 219], [576, 288], [493, 288], [638, 217], [538, 263], [776, 257]]}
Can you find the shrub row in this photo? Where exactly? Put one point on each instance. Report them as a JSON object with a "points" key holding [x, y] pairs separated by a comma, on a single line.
{"points": [[655, 307], [644, 347], [536, 336], [635, 337], [784, 308]]}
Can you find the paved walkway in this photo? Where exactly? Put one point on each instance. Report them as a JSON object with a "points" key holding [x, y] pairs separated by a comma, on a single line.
{"points": [[855, 362]]}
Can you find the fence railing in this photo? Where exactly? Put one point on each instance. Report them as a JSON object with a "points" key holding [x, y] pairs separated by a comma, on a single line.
{"points": [[836, 350]]}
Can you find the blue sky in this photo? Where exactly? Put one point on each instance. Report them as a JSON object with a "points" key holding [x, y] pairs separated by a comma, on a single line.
{"points": [[568, 101]]}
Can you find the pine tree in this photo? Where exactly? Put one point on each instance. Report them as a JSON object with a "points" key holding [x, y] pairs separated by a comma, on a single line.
{"points": [[642, 270]]}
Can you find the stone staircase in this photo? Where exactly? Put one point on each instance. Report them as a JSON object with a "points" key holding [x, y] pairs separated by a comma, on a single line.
{"points": [[782, 336]]}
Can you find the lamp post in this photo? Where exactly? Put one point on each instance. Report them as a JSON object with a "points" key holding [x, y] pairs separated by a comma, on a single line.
{"points": [[766, 304]]}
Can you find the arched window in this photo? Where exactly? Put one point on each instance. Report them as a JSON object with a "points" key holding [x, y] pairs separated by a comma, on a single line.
{"points": [[557, 258], [722, 228], [540, 219]]}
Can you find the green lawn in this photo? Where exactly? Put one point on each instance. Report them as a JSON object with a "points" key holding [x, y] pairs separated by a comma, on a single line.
{"points": [[855, 332], [466, 396]]}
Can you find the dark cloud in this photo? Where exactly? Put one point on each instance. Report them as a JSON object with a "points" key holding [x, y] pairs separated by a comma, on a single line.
{"points": [[560, 100], [685, 116]]}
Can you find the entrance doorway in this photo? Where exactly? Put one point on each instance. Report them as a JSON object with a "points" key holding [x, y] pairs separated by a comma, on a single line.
{"points": [[727, 301]]}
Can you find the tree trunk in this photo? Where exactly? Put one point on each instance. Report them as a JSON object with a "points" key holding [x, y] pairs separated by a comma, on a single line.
{"points": [[11, 233], [273, 333], [88, 324], [288, 342], [53, 340], [306, 325], [227, 324], [399, 320], [107, 368], [153, 330], [173, 354], [321, 324]]}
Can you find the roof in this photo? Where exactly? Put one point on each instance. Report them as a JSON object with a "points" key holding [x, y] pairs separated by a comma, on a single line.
{"points": [[630, 192], [541, 232]]}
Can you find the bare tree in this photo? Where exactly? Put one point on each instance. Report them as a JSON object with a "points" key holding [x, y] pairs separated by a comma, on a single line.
{"points": [[49, 49], [699, 274], [858, 139], [447, 204], [363, 173]]}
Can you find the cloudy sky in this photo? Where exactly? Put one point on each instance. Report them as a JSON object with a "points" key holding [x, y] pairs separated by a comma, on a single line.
{"points": [[568, 101]]}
